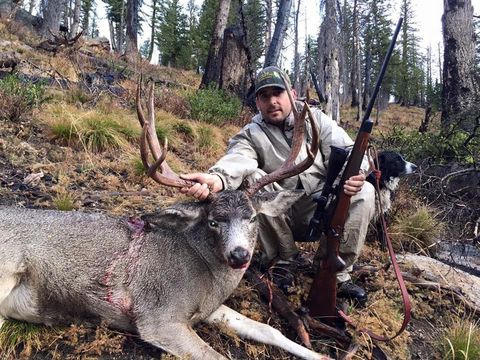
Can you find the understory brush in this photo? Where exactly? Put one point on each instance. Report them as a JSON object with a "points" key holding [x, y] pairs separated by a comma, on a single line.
{"points": [[18, 98], [213, 106]]}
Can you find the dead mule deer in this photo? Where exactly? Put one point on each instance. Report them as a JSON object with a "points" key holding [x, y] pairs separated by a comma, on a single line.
{"points": [[157, 281]]}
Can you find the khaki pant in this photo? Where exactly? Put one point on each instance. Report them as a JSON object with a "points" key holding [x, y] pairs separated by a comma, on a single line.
{"points": [[277, 235]]}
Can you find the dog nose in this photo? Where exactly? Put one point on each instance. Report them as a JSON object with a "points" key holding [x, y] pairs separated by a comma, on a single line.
{"points": [[239, 257]]}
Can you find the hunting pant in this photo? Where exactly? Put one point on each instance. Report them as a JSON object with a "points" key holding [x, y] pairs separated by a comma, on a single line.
{"points": [[277, 235]]}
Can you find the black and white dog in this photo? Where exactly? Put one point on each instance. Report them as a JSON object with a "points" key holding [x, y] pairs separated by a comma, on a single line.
{"points": [[392, 166]]}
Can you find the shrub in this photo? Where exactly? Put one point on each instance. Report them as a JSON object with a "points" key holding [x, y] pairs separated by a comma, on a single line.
{"points": [[185, 129], [444, 146], [461, 341], [18, 98], [213, 106]]}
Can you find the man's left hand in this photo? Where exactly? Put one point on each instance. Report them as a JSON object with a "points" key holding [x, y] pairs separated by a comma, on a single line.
{"points": [[354, 184]]}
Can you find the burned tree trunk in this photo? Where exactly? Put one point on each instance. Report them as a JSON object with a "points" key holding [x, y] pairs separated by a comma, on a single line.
{"points": [[131, 48], [460, 90], [330, 71], [234, 74], [273, 54], [51, 18], [212, 68]]}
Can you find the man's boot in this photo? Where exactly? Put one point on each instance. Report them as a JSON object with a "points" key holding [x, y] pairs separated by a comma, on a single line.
{"points": [[351, 291]]}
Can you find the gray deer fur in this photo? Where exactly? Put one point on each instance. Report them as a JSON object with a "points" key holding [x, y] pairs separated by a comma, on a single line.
{"points": [[63, 267]]}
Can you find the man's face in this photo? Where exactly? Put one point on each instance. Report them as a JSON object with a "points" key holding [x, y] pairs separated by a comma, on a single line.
{"points": [[274, 104]]}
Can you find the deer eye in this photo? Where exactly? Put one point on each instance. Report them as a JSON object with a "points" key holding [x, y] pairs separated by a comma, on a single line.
{"points": [[212, 223], [253, 219]]}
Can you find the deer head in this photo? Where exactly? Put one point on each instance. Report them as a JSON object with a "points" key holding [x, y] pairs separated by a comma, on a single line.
{"points": [[229, 216]]}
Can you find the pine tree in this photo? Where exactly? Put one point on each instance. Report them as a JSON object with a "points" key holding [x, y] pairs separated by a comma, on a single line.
{"points": [[376, 33], [410, 77], [172, 36], [203, 34], [254, 14]]}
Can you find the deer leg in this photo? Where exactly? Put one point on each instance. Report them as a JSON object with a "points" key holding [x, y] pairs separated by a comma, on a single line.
{"points": [[260, 332], [178, 339], [7, 284]]}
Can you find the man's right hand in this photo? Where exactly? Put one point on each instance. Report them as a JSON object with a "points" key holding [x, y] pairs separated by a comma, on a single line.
{"points": [[206, 183]]}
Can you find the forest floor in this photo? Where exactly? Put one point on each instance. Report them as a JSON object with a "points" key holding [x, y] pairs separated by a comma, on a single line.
{"points": [[40, 170]]}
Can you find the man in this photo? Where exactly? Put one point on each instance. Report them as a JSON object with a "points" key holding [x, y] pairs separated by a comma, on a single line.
{"points": [[261, 147]]}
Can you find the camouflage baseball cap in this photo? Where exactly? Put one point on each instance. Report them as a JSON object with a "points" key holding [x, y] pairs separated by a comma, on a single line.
{"points": [[270, 76]]}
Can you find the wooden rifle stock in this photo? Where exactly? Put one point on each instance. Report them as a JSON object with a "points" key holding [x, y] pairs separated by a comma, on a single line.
{"points": [[322, 298]]}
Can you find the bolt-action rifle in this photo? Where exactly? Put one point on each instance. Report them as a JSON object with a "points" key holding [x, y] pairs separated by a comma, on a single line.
{"points": [[333, 205]]}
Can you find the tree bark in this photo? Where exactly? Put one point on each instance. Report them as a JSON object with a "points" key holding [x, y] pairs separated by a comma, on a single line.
{"points": [[51, 18], [296, 58], [152, 34], [76, 18], [331, 71], [273, 54], [268, 22], [355, 71], [131, 48], [212, 68], [460, 90], [233, 77]]}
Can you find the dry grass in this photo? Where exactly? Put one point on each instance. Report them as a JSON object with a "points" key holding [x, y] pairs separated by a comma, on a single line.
{"points": [[461, 340]]}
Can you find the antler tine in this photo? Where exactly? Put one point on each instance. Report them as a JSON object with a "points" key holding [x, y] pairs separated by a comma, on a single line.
{"points": [[149, 139], [288, 168]]}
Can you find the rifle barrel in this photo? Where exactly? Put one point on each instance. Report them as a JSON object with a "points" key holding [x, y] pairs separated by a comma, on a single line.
{"points": [[383, 69]]}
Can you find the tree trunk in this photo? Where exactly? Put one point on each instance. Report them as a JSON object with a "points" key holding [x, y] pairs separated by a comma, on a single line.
{"points": [[460, 91], [120, 26], [273, 54], [131, 48], [152, 35], [76, 18], [113, 37], [31, 6], [233, 76], [268, 22], [296, 58], [366, 86], [212, 68], [355, 55], [331, 66], [51, 17]]}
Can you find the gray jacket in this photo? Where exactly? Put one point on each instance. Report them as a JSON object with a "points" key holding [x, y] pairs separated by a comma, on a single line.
{"points": [[266, 146]]}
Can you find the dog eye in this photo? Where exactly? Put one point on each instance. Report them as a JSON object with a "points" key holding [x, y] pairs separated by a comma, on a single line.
{"points": [[212, 223], [253, 219]]}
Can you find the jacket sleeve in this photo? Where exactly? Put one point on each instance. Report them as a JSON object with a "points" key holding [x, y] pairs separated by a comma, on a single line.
{"points": [[240, 160]]}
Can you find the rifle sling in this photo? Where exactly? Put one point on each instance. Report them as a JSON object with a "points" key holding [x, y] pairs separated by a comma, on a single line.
{"points": [[396, 268]]}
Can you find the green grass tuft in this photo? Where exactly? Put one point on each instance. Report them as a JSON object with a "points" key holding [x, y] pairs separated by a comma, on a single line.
{"points": [[461, 341], [16, 336], [99, 135], [417, 231], [64, 202]]}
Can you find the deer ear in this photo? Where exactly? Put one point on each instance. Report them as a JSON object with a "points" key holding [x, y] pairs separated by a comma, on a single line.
{"points": [[275, 203], [178, 216]]}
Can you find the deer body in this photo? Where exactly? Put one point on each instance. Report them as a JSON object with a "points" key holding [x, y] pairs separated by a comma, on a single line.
{"points": [[157, 280], [63, 267]]}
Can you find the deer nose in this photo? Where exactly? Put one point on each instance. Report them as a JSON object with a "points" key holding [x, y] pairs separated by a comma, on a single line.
{"points": [[239, 258]]}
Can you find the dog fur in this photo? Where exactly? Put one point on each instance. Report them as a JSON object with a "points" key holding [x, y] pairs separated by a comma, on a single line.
{"points": [[392, 166]]}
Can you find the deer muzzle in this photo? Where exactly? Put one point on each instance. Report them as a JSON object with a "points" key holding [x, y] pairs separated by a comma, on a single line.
{"points": [[239, 258]]}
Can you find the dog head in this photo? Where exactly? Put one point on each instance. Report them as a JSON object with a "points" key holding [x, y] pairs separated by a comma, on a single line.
{"points": [[393, 166]]}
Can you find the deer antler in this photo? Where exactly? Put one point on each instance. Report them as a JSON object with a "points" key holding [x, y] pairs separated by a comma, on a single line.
{"points": [[288, 168], [149, 137]]}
